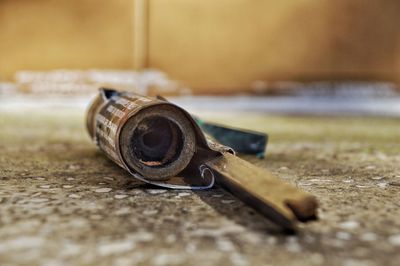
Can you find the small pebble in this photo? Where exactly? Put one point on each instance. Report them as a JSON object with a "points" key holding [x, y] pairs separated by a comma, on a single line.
{"points": [[183, 194], [161, 259], [343, 235], [38, 200], [36, 194], [370, 167], [272, 240], [96, 217], [309, 238], [292, 244], [116, 247], [74, 196], [70, 250], [227, 201], [225, 245], [349, 225], [293, 247], [238, 259], [150, 212], [354, 262], [123, 211], [394, 240], [218, 195], [109, 178], [381, 155], [21, 243], [190, 248], [156, 191], [170, 239], [103, 190], [317, 258], [336, 243], [382, 184], [120, 196], [73, 167], [67, 186], [320, 180], [369, 237], [70, 178], [143, 236], [45, 186], [377, 178]]}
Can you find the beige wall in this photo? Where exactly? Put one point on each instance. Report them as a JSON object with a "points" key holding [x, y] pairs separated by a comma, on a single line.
{"points": [[208, 44], [48, 34], [231, 43]]}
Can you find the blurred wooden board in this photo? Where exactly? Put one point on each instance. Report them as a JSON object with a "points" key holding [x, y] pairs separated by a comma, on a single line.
{"points": [[211, 46], [78, 34], [230, 44]]}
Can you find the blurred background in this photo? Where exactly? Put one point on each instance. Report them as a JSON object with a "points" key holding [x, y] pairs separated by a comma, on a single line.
{"points": [[320, 77], [302, 48]]}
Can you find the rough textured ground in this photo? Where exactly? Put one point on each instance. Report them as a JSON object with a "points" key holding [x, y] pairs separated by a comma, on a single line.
{"points": [[63, 203]]}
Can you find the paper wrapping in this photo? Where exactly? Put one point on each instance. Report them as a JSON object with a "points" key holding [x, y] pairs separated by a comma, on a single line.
{"points": [[159, 143], [114, 118]]}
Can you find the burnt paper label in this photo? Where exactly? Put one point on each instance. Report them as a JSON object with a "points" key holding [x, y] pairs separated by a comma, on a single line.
{"points": [[110, 119]]}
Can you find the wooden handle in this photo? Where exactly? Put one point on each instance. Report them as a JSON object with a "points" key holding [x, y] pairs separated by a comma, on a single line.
{"points": [[281, 202]]}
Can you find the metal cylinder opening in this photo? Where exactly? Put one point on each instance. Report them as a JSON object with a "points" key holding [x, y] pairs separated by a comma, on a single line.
{"points": [[157, 141]]}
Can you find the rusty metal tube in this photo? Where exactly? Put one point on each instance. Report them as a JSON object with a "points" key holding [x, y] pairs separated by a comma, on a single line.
{"points": [[161, 144]]}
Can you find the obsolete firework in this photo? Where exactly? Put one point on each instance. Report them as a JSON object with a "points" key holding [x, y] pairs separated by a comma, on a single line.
{"points": [[160, 143]]}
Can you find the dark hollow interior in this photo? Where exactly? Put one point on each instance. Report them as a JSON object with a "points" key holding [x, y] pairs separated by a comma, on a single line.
{"points": [[157, 141]]}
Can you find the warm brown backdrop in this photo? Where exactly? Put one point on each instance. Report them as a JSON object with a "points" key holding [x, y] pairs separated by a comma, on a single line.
{"points": [[208, 44], [48, 34]]}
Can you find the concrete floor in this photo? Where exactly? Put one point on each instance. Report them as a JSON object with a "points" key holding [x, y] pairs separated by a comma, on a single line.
{"points": [[63, 203]]}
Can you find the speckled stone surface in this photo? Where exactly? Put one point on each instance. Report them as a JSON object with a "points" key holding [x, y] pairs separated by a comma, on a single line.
{"points": [[63, 203]]}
